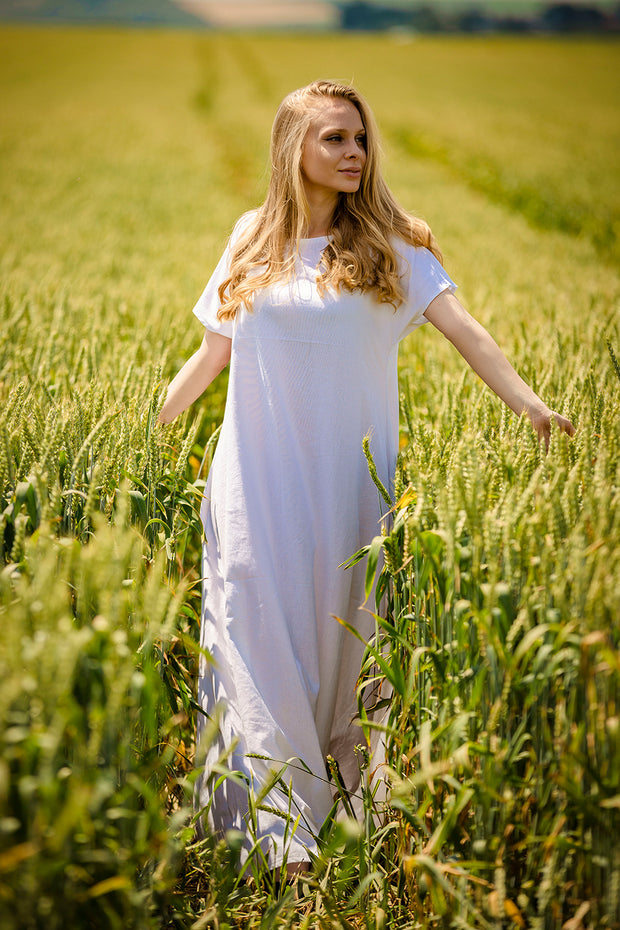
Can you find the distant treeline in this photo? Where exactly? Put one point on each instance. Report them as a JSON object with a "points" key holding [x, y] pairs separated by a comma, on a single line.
{"points": [[361, 15], [559, 17]]}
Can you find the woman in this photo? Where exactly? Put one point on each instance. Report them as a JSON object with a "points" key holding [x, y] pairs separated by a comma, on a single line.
{"points": [[308, 303]]}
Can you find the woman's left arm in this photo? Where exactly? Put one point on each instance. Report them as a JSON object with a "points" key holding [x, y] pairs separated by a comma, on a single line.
{"points": [[484, 355]]}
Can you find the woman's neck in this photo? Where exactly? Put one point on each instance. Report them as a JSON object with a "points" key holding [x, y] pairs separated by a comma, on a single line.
{"points": [[321, 213]]}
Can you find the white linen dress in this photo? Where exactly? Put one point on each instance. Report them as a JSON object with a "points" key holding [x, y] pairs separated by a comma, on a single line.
{"points": [[288, 500]]}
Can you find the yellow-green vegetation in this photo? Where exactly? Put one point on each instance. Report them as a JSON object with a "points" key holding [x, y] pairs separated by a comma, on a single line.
{"points": [[125, 159]]}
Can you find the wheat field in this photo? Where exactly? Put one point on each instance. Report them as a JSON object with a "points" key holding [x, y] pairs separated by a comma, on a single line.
{"points": [[126, 158]]}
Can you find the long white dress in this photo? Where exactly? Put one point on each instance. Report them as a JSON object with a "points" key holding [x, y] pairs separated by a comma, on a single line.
{"points": [[288, 500]]}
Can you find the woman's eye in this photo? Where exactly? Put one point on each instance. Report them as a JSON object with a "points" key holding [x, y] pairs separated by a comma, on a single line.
{"points": [[335, 138]]}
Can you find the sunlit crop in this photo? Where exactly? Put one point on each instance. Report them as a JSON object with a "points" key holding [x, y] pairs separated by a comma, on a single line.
{"points": [[126, 156]]}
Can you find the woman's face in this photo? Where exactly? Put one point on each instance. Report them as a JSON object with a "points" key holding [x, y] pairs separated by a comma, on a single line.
{"points": [[334, 150]]}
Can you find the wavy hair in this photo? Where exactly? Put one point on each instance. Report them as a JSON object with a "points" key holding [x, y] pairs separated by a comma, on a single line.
{"points": [[360, 254]]}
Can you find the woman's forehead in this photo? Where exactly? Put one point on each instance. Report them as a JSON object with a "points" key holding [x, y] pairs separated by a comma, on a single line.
{"points": [[337, 113]]}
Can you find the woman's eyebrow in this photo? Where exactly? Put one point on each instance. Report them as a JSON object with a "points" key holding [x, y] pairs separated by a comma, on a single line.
{"points": [[358, 132]]}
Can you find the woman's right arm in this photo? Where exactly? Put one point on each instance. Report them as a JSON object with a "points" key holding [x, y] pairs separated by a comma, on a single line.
{"points": [[196, 375]]}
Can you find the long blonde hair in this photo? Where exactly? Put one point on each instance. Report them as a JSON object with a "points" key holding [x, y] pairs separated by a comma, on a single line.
{"points": [[360, 254]]}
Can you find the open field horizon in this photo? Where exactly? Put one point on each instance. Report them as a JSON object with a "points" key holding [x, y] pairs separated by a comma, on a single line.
{"points": [[512, 16]]}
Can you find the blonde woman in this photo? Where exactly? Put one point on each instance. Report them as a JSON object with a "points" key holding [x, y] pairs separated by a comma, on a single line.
{"points": [[308, 304]]}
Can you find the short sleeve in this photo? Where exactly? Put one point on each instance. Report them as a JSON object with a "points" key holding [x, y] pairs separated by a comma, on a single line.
{"points": [[209, 301], [424, 278]]}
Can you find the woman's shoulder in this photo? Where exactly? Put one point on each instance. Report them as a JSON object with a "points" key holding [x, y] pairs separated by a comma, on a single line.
{"points": [[408, 253], [421, 271], [243, 223], [405, 247]]}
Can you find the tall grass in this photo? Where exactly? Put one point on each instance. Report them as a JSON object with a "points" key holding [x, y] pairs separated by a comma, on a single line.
{"points": [[126, 158], [500, 645], [99, 623]]}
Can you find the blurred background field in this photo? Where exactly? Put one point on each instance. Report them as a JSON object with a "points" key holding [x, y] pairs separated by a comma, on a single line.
{"points": [[125, 158]]}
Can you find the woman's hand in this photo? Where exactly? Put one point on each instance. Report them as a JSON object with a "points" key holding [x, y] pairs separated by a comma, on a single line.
{"points": [[541, 422]]}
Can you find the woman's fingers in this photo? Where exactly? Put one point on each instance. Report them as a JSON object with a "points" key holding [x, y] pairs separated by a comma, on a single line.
{"points": [[542, 426], [565, 425]]}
